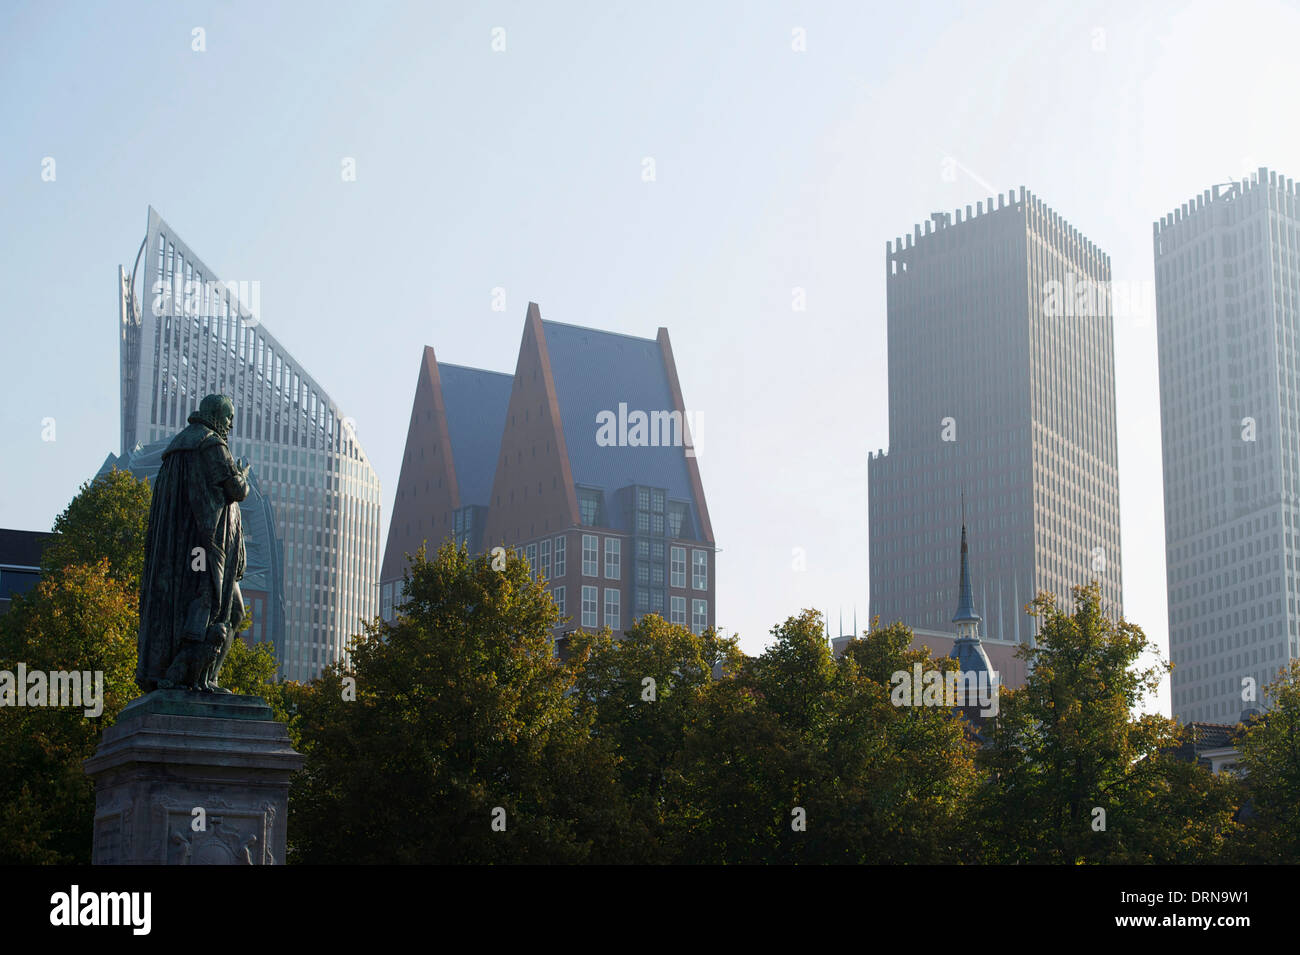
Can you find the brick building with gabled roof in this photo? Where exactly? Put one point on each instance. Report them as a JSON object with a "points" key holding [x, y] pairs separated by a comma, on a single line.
{"points": [[592, 476]]}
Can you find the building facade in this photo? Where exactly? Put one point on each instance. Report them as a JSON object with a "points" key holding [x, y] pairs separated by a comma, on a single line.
{"points": [[20, 562], [1001, 390], [186, 334], [1227, 268], [591, 476]]}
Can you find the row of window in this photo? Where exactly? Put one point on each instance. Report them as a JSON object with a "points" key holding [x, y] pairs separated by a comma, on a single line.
{"points": [[591, 557], [549, 562], [613, 609]]}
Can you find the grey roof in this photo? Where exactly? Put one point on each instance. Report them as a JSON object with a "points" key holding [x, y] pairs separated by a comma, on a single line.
{"points": [[594, 371], [476, 402], [971, 656]]}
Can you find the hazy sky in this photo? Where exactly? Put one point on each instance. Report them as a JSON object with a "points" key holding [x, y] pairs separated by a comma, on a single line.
{"points": [[775, 169]]}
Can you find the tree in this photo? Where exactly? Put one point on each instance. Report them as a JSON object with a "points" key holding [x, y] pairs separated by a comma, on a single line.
{"points": [[463, 742], [76, 618], [106, 520], [641, 694], [1073, 776], [801, 758], [1270, 757], [901, 777]]}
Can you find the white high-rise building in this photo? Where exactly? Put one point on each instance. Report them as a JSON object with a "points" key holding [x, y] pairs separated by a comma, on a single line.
{"points": [[1227, 266], [185, 334]]}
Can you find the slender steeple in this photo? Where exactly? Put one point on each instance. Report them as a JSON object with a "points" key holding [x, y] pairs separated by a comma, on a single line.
{"points": [[967, 649], [966, 618]]}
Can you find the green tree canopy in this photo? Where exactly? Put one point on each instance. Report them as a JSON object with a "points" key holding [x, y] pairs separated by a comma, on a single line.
{"points": [[462, 716], [1270, 757], [76, 618], [107, 520], [1067, 748]]}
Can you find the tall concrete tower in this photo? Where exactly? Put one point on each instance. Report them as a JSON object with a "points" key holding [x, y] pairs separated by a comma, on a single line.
{"points": [[1001, 386], [1227, 268]]}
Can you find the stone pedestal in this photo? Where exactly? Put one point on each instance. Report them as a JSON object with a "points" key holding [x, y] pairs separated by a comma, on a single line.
{"points": [[172, 752]]}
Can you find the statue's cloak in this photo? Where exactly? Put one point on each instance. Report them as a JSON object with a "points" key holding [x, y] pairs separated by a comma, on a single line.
{"points": [[190, 509]]}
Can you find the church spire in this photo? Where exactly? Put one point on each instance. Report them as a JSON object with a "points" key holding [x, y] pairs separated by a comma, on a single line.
{"points": [[965, 601], [972, 660]]}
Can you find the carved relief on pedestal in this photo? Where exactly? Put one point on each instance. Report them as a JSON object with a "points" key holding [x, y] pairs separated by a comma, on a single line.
{"points": [[228, 835]]}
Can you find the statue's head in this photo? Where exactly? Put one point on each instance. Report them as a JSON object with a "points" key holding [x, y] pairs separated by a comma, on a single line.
{"points": [[217, 412]]}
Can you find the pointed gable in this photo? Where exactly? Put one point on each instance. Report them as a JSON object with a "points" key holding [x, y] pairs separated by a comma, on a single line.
{"points": [[603, 376], [451, 449], [533, 491]]}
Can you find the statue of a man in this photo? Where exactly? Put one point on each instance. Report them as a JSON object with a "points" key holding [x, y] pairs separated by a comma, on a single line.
{"points": [[190, 605]]}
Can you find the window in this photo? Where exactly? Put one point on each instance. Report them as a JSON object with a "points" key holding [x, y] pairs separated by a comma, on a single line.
{"points": [[700, 569], [559, 600], [530, 552], [678, 578], [613, 558], [590, 555], [589, 509], [699, 616], [676, 518], [612, 596], [643, 550], [678, 610], [544, 560], [642, 601], [589, 606], [386, 608]]}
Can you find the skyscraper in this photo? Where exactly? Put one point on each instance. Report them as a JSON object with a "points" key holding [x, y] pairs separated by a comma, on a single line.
{"points": [[582, 461], [191, 335], [1228, 328], [1001, 388]]}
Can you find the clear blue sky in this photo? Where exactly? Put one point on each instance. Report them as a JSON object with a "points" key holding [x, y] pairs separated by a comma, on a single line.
{"points": [[522, 169]]}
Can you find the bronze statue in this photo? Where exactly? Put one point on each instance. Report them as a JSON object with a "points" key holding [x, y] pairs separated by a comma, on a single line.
{"points": [[190, 605]]}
